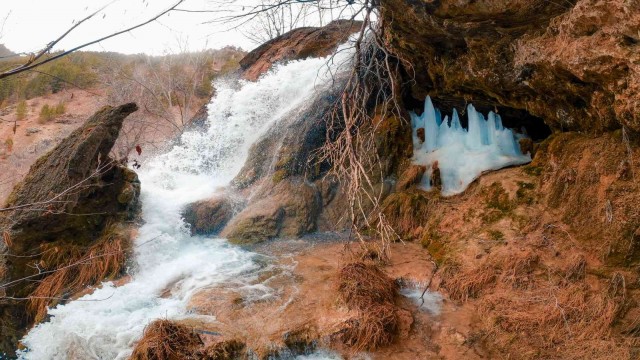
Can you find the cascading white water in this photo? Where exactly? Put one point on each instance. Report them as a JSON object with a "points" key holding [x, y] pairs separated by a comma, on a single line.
{"points": [[460, 154], [106, 323]]}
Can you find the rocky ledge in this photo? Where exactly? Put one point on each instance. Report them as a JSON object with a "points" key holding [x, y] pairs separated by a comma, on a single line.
{"points": [[70, 212]]}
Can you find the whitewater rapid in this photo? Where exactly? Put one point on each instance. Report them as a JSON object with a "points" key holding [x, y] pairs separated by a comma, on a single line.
{"points": [[169, 265]]}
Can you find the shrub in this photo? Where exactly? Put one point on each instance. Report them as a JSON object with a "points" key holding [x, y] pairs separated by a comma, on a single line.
{"points": [[46, 113], [8, 143], [59, 109], [21, 110]]}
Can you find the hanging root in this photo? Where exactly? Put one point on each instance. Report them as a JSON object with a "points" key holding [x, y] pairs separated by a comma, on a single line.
{"points": [[166, 340], [103, 260], [369, 97]]}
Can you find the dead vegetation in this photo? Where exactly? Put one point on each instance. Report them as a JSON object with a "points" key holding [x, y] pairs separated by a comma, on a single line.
{"points": [[577, 268], [554, 317], [360, 285], [375, 327], [463, 285], [554, 277], [76, 271], [223, 350], [166, 340], [558, 310], [406, 211], [363, 124], [369, 291]]}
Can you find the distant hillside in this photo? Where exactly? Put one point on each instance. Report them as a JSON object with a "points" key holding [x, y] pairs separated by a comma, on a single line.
{"points": [[168, 75], [4, 51]]}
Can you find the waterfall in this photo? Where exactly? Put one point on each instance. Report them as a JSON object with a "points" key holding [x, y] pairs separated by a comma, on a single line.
{"points": [[462, 155], [169, 265]]}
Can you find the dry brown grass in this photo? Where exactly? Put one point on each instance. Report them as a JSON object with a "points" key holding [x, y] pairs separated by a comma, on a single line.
{"points": [[365, 288], [375, 327], [166, 340], [224, 350], [462, 285], [360, 285], [406, 211], [103, 260], [577, 269], [570, 317], [517, 270]]}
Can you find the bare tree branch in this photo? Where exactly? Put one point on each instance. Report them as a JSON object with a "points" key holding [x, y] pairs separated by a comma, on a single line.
{"points": [[33, 64]]}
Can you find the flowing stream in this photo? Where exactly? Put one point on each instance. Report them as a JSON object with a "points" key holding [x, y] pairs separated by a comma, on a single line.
{"points": [[169, 265]]}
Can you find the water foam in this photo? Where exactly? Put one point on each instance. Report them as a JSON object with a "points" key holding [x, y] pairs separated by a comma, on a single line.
{"points": [[169, 265]]}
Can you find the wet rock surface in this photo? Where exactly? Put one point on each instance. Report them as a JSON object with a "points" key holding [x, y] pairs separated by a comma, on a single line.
{"points": [[209, 216], [290, 209], [294, 306]]}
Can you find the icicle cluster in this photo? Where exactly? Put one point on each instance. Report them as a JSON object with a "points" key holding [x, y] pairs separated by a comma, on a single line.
{"points": [[461, 155]]}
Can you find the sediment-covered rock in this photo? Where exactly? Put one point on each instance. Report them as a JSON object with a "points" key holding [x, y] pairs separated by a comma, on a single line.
{"points": [[290, 209], [73, 200], [297, 44], [575, 64]]}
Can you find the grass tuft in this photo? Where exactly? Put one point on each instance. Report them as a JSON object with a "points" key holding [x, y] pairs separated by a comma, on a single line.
{"points": [[372, 293], [103, 260], [166, 340]]}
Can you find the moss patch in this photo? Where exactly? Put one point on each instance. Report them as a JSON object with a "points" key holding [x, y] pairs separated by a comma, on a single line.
{"points": [[435, 243], [497, 202], [532, 170], [406, 211]]}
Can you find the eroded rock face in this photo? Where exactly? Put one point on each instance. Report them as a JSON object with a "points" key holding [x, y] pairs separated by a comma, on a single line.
{"points": [[72, 197], [575, 64], [297, 44], [75, 188]]}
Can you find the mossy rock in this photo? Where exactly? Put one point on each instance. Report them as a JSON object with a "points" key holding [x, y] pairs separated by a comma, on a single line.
{"points": [[209, 216], [406, 211], [82, 195]]}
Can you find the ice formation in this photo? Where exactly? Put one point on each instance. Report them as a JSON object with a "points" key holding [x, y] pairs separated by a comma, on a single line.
{"points": [[462, 155]]}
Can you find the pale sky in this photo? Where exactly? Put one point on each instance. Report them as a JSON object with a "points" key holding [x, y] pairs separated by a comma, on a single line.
{"points": [[31, 24]]}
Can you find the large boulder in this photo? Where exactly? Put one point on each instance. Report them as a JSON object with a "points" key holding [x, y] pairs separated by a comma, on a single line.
{"points": [[209, 216], [575, 64], [290, 209], [297, 44], [73, 198]]}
